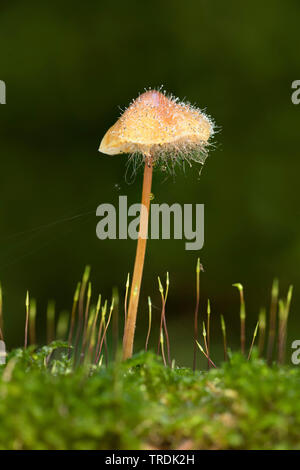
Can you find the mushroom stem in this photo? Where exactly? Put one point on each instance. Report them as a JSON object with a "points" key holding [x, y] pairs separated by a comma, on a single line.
{"points": [[139, 261]]}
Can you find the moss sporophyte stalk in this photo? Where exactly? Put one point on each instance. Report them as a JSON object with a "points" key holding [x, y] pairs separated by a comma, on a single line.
{"points": [[161, 130]]}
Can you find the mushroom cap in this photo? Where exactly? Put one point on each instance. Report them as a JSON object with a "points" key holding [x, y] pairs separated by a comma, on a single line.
{"points": [[153, 120]]}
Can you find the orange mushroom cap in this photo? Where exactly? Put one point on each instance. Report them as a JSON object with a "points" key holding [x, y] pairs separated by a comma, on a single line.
{"points": [[155, 123]]}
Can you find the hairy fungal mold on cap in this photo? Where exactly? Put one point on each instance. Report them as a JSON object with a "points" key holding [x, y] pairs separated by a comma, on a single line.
{"points": [[160, 125]]}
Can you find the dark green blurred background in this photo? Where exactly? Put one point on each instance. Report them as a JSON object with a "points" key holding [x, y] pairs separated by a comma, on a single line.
{"points": [[67, 67]]}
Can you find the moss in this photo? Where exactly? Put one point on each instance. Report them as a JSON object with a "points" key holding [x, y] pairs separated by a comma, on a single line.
{"points": [[142, 404]]}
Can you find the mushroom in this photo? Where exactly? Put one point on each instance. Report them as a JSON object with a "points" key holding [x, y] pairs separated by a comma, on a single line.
{"points": [[161, 129]]}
